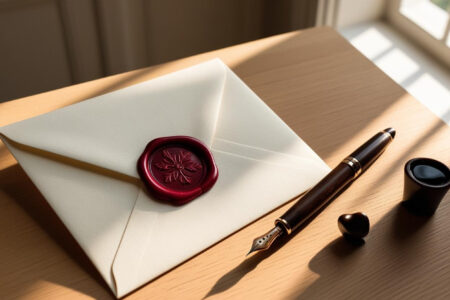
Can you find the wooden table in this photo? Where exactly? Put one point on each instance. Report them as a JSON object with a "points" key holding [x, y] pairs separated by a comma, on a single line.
{"points": [[335, 99]]}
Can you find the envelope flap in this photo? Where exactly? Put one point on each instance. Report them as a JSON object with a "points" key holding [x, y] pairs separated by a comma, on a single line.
{"points": [[112, 130], [246, 120]]}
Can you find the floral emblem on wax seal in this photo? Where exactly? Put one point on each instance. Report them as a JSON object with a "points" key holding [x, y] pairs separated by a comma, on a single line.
{"points": [[177, 169], [178, 166]]}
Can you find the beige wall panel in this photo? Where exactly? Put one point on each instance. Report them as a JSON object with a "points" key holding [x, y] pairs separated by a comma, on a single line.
{"points": [[122, 33], [47, 44], [79, 23], [32, 48], [180, 28]]}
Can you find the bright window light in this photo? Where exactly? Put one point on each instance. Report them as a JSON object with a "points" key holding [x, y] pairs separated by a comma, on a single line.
{"points": [[444, 4], [431, 17], [371, 42], [398, 65]]}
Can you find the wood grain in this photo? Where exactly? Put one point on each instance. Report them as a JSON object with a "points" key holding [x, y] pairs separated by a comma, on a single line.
{"points": [[335, 99]]}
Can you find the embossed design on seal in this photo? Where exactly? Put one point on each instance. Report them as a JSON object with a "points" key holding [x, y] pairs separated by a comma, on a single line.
{"points": [[177, 169], [177, 166]]}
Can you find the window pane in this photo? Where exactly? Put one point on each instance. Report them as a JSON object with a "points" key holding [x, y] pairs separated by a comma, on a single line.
{"points": [[444, 4], [427, 15]]}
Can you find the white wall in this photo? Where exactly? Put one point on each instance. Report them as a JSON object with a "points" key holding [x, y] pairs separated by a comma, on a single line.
{"points": [[350, 12]]}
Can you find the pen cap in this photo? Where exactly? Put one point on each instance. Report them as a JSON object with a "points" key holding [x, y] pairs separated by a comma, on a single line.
{"points": [[426, 183], [372, 149]]}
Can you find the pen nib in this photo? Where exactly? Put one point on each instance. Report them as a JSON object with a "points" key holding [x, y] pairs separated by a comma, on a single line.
{"points": [[264, 241]]}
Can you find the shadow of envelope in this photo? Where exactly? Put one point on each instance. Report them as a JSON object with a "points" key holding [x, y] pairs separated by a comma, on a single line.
{"points": [[83, 160]]}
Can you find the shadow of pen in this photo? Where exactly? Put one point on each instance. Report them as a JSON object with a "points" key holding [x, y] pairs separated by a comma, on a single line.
{"points": [[235, 275]]}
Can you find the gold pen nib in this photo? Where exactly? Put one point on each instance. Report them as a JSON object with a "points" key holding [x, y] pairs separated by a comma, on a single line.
{"points": [[264, 241]]}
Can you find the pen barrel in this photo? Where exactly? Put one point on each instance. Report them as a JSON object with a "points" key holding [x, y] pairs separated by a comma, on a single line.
{"points": [[324, 191], [317, 197], [367, 153]]}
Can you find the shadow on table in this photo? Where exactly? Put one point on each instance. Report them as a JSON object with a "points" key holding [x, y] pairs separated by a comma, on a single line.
{"points": [[231, 278], [399, 260]]}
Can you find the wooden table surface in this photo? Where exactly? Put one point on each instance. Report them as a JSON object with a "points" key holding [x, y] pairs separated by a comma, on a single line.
{"points": [[335, 99]]}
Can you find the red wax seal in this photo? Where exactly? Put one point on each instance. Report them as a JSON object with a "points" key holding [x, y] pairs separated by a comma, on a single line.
{"points": [[177, 169]]}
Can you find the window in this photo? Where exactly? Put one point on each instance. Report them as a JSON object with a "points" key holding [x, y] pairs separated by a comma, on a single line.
{"points": [[425, 21], [431, 16]]}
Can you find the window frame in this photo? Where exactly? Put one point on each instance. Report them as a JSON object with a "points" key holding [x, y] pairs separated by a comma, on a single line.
{"points": [[439, 48]]}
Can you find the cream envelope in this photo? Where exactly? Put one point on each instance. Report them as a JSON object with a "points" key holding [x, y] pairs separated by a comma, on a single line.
{"points": [[83, 160]]}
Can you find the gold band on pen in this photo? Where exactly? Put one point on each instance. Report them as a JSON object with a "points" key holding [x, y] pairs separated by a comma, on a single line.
{"points": [[284, 224], [354, 164]]}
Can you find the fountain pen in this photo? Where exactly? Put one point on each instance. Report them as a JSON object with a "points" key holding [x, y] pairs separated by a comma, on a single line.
{"points": [[326, 190]]}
